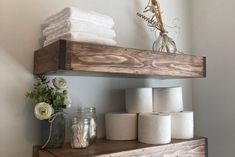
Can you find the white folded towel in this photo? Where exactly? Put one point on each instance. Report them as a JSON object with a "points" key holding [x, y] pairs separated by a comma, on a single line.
{"points": [[78, 26], [82, 37], [73, 13]]}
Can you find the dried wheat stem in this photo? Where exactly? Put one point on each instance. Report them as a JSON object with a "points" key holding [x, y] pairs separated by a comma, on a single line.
{"points": [[151, 21], [157, 12]]}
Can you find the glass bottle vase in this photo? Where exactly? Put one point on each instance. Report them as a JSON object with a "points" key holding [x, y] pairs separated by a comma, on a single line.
{"points": [[164, 43]]}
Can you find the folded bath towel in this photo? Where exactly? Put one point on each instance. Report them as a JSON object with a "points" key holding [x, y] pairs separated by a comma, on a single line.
{"points": [[78, 26], [77, 14], [82, 37]]}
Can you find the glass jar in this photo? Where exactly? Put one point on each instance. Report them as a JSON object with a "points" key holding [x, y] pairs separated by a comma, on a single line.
{"points": [[80, 132], [164, 43], [90, 113]]}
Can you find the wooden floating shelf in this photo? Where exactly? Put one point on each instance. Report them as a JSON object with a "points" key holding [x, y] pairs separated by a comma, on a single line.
{"points": [[102, 59], [196, 147]]}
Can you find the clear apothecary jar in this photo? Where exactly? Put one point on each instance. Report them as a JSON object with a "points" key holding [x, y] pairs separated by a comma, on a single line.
{"points": [[80, 132], [90, 113]]}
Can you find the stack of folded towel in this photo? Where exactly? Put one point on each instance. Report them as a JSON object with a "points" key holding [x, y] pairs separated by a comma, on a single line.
{"points": [[77, 25]]}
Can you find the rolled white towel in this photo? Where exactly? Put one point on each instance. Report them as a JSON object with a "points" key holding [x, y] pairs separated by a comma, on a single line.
{"points": [[72, 13], [82, 37], [78, 26]]}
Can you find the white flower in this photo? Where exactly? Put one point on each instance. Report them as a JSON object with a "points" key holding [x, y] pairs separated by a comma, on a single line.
{"points": [[43, 111], [67, 101], [59, 83]]}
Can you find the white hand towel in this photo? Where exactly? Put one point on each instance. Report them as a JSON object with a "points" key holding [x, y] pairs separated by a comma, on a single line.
{"points": [[75, 13], [78, 26], [83, 37]]}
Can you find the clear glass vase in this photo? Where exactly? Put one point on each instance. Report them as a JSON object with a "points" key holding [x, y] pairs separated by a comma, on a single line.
{"points": [[164, 43]]}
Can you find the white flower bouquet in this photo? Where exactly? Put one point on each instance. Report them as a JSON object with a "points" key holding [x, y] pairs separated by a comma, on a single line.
{"points": [[49, 98]]}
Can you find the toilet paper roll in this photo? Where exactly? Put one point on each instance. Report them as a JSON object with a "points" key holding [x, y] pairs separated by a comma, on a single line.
{"points": [[121, 126], [139, 100], [154, 128], [182, 126], [167, 99]]}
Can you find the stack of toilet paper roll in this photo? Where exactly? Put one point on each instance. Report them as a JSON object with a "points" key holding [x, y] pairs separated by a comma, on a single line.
{"points": [[154, 115], [170, 100], [123, 126]]}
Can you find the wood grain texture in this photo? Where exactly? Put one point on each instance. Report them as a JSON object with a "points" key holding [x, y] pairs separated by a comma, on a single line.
{"points": [[104, 148], [41, 153], [47, 58], [85, 57]]}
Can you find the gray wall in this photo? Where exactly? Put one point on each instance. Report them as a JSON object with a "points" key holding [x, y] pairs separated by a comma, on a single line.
{"points": [[213, 97], [20, 35]]}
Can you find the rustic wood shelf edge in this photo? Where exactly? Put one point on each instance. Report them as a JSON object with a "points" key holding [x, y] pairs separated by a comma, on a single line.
{"points": [[112, 60], [196, 147]]}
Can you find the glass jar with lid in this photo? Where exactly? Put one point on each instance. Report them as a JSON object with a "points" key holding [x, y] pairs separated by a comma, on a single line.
{"points": [[90, 113], [80, 132]]}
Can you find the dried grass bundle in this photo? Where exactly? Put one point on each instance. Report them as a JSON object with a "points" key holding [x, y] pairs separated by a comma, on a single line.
{"points": [[163, 43], [155, 20]]}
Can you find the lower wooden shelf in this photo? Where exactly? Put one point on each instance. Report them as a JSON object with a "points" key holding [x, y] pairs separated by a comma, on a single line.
{"points": [[196, 147]]}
